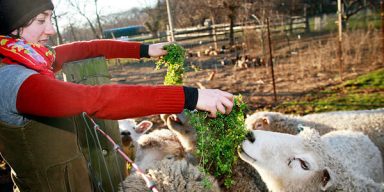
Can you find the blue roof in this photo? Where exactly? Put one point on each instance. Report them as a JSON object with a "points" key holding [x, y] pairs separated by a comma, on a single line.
{"points": [[124, 31]]}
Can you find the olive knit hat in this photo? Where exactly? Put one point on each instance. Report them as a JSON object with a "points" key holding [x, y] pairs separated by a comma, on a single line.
{"points": [[16, 13]]}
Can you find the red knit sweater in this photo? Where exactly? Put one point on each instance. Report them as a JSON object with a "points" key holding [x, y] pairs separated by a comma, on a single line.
{"points": [[42, 96]]}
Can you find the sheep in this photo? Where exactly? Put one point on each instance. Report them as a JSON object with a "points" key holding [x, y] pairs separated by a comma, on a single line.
{"points": [[359, 120], [179, 140], [339, 160], [278, 122], [151, 147], [172, 175], [370, 122], [161, 154]]}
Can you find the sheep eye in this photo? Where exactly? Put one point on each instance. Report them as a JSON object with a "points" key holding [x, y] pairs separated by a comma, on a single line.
{"points": [[258, 126], [289, 162], [304, 164]]}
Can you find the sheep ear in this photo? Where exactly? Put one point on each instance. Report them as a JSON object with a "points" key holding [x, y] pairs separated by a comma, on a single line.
{"points": [[266, 121], [326, 179], [182, 117], [144, 126]]}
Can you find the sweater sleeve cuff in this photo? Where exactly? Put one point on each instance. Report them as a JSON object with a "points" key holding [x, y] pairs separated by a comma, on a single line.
{"points": [[191, 95], [144, 50]]}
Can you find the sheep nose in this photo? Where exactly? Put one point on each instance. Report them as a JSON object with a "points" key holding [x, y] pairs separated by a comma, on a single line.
{"points": [[126, 133], [250, 137]]}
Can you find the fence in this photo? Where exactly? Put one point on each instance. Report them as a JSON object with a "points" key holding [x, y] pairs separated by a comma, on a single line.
{"points": [[194, 36]]}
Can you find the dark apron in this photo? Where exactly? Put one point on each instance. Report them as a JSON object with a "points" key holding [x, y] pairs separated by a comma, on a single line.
{"points": [[45, 156]]}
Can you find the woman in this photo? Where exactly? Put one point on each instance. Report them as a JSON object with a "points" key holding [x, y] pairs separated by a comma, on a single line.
{"points": [[36, 138]]}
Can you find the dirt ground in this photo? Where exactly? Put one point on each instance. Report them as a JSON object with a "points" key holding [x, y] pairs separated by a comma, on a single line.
{"points": [[253, 83]]}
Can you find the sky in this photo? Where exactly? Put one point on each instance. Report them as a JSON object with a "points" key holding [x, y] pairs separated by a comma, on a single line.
{"points": [[111, 6], [105, 6], [122, 5]]}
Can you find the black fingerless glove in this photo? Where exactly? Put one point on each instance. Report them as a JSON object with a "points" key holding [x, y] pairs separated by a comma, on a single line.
{"points": [[191, 95]]}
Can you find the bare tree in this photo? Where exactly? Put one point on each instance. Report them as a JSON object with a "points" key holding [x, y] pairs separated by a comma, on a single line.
{"points": [[351, 7], [80, 7], [98, 19], [230, 8], [156, 18], [58, 33], [56, 17], [134, 16], [72, 30], [190, 12]]}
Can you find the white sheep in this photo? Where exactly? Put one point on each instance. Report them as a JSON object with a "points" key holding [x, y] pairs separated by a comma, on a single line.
{"points": [[130, 132], [359, 120], [339, 160], [161, 154], [283, 123], [370, 122], [172, 175], [151, 147]]}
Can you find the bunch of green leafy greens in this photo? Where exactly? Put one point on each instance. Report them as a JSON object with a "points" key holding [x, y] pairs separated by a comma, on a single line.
{"points": [[218, 139], [174, 61]]}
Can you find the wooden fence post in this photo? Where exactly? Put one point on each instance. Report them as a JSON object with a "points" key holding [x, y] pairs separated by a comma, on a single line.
{"points": [[214, 33], [382, 25], [105, 165], [170, 21], [340, 39], [271, 61]]}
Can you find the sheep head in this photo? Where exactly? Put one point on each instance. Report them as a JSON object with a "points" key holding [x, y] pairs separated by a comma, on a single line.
{"points": [[259, 121], [129, 128], [130, 132], [273, 121], [157, 145], [186, 134], [287, 162]]}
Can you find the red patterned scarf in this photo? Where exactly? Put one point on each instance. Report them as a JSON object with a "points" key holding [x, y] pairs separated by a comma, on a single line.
{"points": [[31, 55]]}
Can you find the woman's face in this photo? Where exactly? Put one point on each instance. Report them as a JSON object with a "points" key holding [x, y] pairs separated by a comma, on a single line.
{"points": [[39, 30]]}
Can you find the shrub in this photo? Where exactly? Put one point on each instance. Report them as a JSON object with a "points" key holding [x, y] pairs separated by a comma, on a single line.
{"points": [[174, 62], [218, 138]]}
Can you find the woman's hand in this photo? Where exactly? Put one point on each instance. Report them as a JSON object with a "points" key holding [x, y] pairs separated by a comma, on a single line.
{"points": [[213, 100], [156, 50]]}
